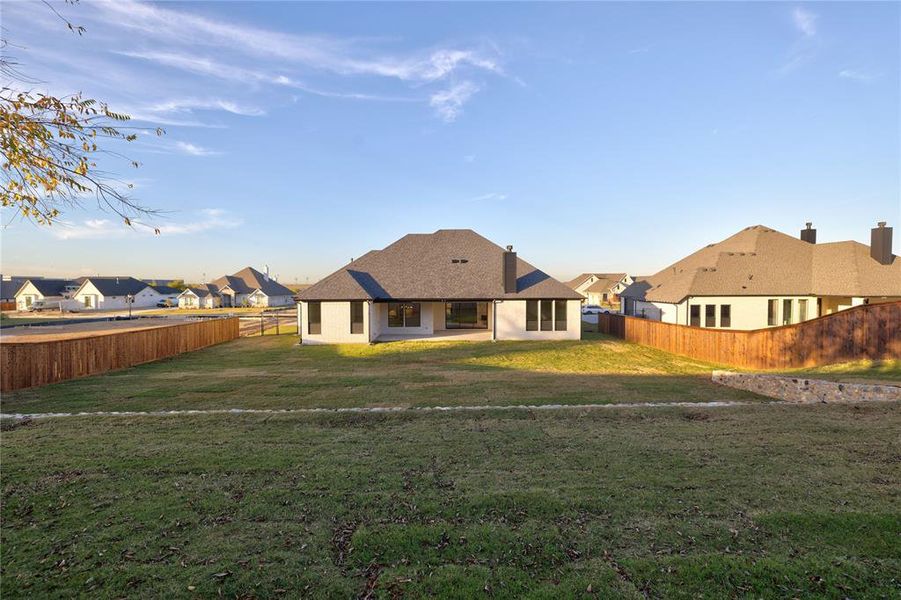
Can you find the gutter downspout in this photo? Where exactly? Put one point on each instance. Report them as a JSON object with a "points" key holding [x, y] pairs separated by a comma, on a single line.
{"points": [[494, 320]]}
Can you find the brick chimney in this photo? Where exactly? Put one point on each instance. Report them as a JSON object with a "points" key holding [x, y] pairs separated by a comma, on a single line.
{"points": [[509, 271], [809, 235], [881, 243]]}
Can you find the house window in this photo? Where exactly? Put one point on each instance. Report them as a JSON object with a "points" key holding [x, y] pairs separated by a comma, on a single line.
{"points": [[605, 297], [403, 314], [547, 319], [314, 319], [356, 317], [531, 315], [466, 315], [772, 306], [88, 301], [786, 312], [802, 311], [725, 315], [695, 315], [710, 315], [560, 315]]}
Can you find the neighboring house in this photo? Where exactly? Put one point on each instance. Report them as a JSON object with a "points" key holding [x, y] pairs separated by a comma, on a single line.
{"points": [[249, 287], [48, 290], [111, 293], [166, 294], [429, 285], [10, 284], [760, 278], [601, 288], [203, 296]]}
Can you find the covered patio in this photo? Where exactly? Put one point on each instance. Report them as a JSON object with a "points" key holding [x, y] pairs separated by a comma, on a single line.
{"points": [[440, 335]]}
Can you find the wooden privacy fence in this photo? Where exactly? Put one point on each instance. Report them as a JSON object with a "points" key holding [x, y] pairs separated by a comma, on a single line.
{"points": [[8, 305], [871, 331], [27, 364]]}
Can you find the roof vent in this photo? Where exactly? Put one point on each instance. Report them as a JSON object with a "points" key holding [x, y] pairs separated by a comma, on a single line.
{"points": [[881, 244], [809, 235]]}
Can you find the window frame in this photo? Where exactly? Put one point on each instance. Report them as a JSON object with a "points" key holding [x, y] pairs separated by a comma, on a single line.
{"points": [[772, 312], [725, 315], [317, 323], [694, 321], [357, 327], [802, 310], [405, 320], [787, 318], [710, 315], [559, 309], [546, 315], [533, 308]]}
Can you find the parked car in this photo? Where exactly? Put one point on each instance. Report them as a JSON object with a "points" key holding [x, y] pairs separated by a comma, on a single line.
{"points": [[591, 309], [42, 305], [164, 304]]}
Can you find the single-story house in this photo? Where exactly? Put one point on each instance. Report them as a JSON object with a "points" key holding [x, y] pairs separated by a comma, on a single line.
{"points": [[249, 287], [202, 296], [111, 293], [46, 289], [601, 288], [761, 278], [438, 285]]}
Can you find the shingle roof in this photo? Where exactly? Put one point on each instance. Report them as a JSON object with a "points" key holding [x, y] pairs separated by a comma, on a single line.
{"points": [[204, 290], [249, 279], [51, 287], [759, 260], [577, 281], [165, 290], [603, 284], [116, 286], [450, 264]]}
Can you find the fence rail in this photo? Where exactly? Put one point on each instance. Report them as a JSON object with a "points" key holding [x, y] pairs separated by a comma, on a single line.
{"points": [[28, 364], [870, 331]]}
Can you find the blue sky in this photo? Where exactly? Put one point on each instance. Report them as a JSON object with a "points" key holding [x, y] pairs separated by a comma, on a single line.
{"points": [[605, 136]]}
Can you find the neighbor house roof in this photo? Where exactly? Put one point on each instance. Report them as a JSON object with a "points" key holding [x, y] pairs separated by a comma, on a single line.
{"points": [[577, 281], [165, 290], [603, 284], [202, 291], [115, 286], [51, 287], [450, 264], [759, 260], [248, 279]]}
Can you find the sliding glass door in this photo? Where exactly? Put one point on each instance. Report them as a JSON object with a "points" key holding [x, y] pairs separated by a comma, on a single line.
{"points": [[466, 315]]}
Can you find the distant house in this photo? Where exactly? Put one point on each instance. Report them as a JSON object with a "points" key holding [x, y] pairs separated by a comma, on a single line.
{"points": [[47, 290], [10, 284], [203, 296], [112, 293], [435, 285], [761, 278], [600, 288], [249, 287]]}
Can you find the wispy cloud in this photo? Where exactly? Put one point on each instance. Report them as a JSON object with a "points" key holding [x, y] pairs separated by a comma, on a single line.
{"points": [[448, 103], [181, 105], [208, 219], [855, 75], [194, 150], [489, 197], [805, 21]]}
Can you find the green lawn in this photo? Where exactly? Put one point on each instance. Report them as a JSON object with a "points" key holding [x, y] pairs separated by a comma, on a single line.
{"points": [[273, 372], [753, 501]]}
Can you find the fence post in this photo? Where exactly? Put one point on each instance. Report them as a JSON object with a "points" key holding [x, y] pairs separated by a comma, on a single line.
{"points": [[261, 326], [278, 319]]}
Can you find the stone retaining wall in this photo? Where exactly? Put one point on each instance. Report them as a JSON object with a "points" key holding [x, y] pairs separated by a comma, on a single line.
{"points": [[803, 390]]}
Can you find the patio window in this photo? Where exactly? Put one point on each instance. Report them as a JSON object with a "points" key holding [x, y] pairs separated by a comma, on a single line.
{"points": [[356, 317], [772, 307], [547, 319], [695, 316], [710, 315], [725, 315], [466, 315], [403, 314], [802, 311], [314, 318], [786, 312], [531, 315], [560, 315]]}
